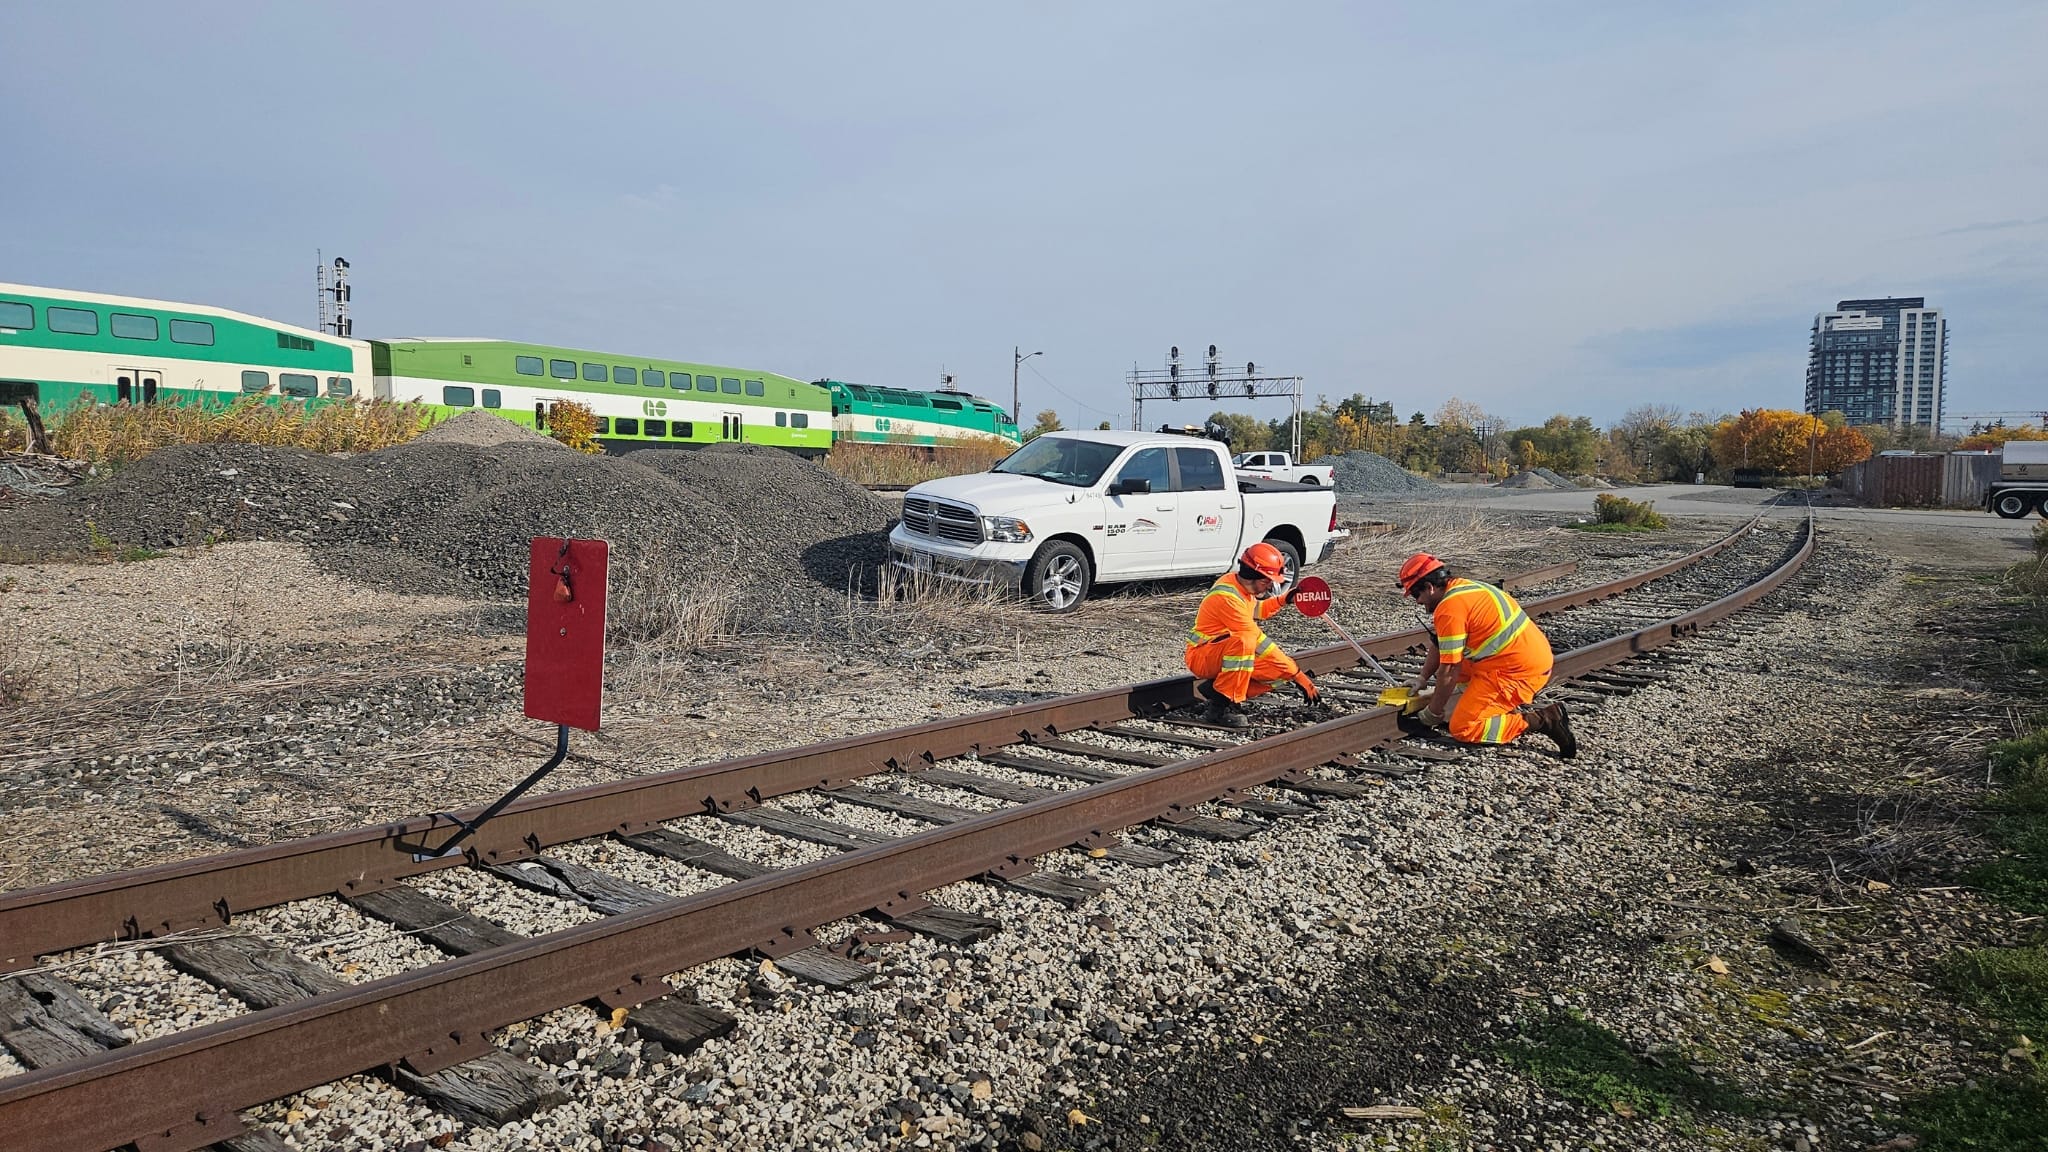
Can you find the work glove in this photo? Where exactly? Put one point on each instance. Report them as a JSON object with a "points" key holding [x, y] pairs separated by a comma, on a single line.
{"points": [[1429, 719]]}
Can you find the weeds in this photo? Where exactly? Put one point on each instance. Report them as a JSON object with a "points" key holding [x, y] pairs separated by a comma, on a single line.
{"points": [[2008, 1113], [1584, 1062], [913, 463], [118, 434]]}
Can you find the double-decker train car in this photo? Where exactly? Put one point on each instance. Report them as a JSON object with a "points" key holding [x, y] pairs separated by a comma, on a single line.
{"points": [[640, 402], [865, 414], [60, 347]]}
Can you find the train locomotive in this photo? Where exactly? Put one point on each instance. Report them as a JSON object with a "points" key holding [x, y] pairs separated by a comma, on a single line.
{"points": [[60, 347]]}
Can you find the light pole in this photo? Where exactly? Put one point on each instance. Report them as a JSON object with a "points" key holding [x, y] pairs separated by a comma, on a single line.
{"points": [[1017, 359]]}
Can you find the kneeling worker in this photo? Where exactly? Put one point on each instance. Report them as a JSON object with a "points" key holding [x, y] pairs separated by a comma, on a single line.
{"points": [[1489, 655], [1227, 649]]}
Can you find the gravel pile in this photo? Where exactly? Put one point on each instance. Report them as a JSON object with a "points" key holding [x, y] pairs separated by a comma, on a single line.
{"points": [[480, 429], [1533, 478], [443, 514], [1371, 472], [1562, 481]]}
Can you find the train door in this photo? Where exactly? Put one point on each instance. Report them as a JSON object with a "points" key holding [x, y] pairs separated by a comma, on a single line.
{"points": [[731, 427], [137, 385]]}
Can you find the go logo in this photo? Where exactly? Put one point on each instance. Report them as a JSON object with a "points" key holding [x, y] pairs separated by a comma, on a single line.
{"points": [[654, 407]]}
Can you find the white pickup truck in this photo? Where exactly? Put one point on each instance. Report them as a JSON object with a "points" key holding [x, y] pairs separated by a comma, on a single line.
{"points": [[1071, 510], [1281, 466]]}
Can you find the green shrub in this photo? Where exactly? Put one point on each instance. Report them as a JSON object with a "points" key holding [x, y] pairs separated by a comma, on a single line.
{"points": [[1611, 509]]}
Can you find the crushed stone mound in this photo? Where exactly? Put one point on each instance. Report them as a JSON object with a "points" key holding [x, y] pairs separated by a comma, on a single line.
{"points": [[1536, 478], [480, 429], [455, 518], [1556, 479], [1370, 472]]}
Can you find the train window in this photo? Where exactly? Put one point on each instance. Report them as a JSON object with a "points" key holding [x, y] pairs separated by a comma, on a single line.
{"points": [[729, 385], [782, 419], [604, 425], [679, 380], [14, 314], [298, 384], [624, 375], [653, 377], [255, 381], [340, 387], [493, 398], [657, 428], [627, 426], [129, 326], [681, 430], [76, 321], [707, 383], [756, 388], [458, 396], [799, 419], [595, 372], [948, 405], [192, 332], [527, 365], [295, 343], [562, 369]]}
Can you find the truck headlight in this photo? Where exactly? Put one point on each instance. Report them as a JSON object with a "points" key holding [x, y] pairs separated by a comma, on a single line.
{"points": [[1006, 530]]}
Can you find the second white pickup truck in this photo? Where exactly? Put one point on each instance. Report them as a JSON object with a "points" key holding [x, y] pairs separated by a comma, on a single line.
{"points": [[1281, 466], [1071, 510]]}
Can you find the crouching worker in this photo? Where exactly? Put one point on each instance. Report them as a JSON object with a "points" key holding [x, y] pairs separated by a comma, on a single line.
{"points": [[1489, 661], [1227, 650]]}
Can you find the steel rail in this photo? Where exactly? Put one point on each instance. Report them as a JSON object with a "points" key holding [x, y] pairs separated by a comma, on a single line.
{"points": [[177, 1091], [208, 891]]}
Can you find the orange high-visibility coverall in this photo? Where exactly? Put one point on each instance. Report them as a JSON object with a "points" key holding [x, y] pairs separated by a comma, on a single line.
{"points": [[1509, 660], [1228, 646]]}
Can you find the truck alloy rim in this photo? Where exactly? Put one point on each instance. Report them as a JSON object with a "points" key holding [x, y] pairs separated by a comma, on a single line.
{"points": [[1061, 584]]}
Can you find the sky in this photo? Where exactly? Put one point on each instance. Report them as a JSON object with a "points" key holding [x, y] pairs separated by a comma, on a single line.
{"points": [[1537, 207]]}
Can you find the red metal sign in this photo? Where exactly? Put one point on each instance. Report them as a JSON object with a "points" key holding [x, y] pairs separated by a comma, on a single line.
{"points": [[565, 630], [1312, 596]]}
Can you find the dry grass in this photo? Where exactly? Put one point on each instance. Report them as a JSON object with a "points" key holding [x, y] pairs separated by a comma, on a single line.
{"points": [[912, 463], [117, 434]]}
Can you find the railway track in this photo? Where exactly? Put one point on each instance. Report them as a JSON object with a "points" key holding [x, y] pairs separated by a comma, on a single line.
{"points": [[1059, 775]]}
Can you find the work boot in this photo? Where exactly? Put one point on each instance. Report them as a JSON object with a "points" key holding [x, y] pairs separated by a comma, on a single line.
{"points": [[1227, 713], [1552, 721]]}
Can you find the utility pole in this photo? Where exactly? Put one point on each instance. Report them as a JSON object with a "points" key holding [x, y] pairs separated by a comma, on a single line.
{"points": [[1017, 359]]}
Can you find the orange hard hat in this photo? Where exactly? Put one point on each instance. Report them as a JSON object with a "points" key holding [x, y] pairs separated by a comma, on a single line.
{"points": [[1266, 560], [1415, 568]]}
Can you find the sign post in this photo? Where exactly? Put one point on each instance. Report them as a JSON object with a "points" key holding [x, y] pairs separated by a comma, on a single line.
{"points": [[565, 601], [1312, 599]]}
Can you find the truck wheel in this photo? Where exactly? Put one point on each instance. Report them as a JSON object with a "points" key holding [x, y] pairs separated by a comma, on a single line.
{"points": [[2013, 505], [1057, 579], [1289, 553], [1310, 480]]}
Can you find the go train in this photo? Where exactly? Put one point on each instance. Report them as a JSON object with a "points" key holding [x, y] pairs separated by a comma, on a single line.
{"points": [[59, 347]]}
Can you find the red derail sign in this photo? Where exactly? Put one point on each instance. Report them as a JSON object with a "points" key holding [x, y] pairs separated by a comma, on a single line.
{"points": [[565, 631], [1312, 596]]}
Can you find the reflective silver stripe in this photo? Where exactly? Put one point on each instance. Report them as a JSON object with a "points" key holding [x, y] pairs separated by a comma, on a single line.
{"points": [[1512, 622]]}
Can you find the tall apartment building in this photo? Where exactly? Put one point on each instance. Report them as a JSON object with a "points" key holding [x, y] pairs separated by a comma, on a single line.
{"points": [[1879, 362]]}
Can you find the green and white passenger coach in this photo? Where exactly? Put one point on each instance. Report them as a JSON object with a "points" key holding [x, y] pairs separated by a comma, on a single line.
{"points": [[61, 347]]}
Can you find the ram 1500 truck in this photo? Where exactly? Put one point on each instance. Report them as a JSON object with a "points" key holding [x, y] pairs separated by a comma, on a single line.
{"points": [[1281, 466], [1071, 510]]}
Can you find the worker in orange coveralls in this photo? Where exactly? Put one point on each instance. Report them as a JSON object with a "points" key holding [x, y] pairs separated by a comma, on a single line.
{"points": [[1490, 658], [1233, 657]]}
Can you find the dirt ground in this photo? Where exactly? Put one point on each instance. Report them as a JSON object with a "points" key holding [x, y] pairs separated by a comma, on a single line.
{"points": [[238, 695]]}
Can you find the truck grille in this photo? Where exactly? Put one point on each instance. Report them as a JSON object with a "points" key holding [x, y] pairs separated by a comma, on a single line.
{"points": [[941, 520]]}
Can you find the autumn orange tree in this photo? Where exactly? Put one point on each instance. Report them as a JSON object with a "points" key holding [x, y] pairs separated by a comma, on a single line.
{"points": [[1778, 442], [1991, 439]]}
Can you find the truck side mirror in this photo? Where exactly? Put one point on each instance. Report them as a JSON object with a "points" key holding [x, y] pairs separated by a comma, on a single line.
{"points": [[1131, 486]]}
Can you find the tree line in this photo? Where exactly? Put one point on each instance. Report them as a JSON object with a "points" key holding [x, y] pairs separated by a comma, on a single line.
{"points": [[1650, 442]]}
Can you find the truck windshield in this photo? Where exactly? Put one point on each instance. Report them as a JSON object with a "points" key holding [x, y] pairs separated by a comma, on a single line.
{"points": [[1076, 463]]}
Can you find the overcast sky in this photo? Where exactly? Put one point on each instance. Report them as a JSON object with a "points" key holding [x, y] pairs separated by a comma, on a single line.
{"points": [[1540, 207]]}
